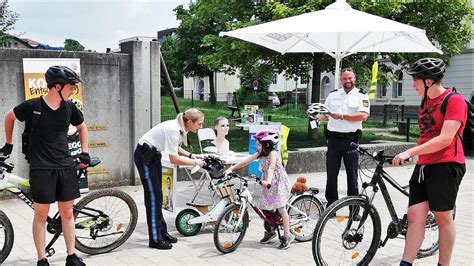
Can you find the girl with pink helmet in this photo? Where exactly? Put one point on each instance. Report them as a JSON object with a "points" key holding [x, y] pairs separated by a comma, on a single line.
{"points": [[273, 174]]}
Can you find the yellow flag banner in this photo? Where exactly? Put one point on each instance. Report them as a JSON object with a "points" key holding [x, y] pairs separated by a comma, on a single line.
{"points": [[284, 148], [373, 82]]}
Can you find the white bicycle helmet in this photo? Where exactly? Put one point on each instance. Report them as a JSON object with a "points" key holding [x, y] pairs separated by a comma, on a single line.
{"points": [[317, 108]]}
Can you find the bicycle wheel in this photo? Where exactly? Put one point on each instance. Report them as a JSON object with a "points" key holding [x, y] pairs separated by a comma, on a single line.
{"points": [[6, 236], [228, 234], [340, 238], [182, 224], [304, 214], [105, 219], [430, 241]]}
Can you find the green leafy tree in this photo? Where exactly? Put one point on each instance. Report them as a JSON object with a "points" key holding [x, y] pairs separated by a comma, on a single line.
{"points": [[7, 21], [199, 20], [247, 94], [73, 45], [174, 66], [446, 22]]}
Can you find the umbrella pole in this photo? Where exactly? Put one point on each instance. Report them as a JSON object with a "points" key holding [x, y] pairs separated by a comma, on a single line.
{"points": [[337, 72]]}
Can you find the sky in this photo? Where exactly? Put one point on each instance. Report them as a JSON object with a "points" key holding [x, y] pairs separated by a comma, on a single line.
{"points": [[96, 24]]}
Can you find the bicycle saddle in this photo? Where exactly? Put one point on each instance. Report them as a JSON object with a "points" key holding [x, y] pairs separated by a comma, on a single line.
{"points": [[94, 161]]}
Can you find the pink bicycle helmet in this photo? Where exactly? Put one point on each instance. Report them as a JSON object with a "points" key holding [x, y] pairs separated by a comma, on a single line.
{"points": [[267, 135]]}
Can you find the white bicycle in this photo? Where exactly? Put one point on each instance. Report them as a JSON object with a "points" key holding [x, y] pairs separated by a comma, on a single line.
{"points": [[304, 210]]}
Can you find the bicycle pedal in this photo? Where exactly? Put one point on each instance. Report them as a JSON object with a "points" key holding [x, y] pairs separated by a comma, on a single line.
{"points": [[50, 252]]}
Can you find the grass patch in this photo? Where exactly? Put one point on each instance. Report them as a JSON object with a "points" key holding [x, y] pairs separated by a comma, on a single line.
{"points": [[292, 116]]}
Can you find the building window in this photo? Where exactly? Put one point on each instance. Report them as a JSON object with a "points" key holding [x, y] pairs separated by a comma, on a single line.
{"points": [[381, 91], [275, 78], [326, 86], [397, 85]]}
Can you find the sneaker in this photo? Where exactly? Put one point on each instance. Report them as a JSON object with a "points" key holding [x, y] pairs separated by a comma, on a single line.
{"points": [[74, 260], [42, 262], [267, 237], [286, 241]]}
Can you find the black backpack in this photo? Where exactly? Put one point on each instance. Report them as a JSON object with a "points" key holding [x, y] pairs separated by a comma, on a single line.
{"points": [[467, 135], [29, 128]]}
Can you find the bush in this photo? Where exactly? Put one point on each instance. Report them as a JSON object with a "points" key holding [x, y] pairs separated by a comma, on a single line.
{"points": [[246, 93]]}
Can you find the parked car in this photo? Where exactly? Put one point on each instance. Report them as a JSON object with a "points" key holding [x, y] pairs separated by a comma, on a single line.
{"points": [[273, 99]]}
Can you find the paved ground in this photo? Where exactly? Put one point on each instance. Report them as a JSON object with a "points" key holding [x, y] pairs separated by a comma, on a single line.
{"points": [[200, 248]]}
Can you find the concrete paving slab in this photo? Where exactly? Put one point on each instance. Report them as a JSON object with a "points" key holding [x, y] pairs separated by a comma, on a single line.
{"points": [[200, 250]]}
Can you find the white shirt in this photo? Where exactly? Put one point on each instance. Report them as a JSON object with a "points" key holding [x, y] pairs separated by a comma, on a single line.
{"points": [[165, 137], [339, 101]]}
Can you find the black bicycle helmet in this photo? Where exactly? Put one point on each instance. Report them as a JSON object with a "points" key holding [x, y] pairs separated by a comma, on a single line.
{"points": [[61, 75], [428, 68]]}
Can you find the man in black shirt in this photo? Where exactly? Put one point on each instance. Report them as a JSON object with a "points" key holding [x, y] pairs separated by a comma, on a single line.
{"points": [[53, 174]]}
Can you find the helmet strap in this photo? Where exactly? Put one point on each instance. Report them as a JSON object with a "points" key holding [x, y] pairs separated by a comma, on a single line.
{"points": [[59, 91], [426, 91]]}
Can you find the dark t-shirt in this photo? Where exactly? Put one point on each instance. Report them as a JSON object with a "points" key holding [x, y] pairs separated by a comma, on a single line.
{"points": [[49, 146]]}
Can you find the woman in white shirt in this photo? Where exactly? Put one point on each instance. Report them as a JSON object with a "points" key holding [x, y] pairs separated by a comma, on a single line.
{"points": [[165, 137]]}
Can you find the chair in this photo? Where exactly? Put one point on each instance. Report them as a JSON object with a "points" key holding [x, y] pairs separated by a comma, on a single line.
{"points": [[205, 137], [234, 108]]}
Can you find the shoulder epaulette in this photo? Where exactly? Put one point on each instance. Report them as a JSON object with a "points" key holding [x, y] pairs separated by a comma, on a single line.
{"points": [[333, 91], [362, 91]]}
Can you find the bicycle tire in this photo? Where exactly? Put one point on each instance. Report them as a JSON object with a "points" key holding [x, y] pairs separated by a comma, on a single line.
{"points": [[351, 247], [8, 235], [182, 225], [96, 198], [232, 213], [313, 208], [431, 228]]}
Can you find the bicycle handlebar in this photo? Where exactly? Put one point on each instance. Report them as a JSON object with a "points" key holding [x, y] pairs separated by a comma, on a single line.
{"points": [[260, 183], [377, 156]]}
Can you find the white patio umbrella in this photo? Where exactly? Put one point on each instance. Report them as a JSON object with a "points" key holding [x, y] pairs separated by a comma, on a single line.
{"points": [[338, 31]]}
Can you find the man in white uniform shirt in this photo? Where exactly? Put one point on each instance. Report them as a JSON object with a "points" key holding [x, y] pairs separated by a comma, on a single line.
{"points": [[349, 106]]}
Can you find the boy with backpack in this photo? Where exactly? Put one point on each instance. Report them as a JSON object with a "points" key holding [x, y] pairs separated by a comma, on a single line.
{"points": [[435, 181], [53, 175]]}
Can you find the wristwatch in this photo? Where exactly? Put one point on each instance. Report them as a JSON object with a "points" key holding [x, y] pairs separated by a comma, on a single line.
{"points": [[342, 117]]}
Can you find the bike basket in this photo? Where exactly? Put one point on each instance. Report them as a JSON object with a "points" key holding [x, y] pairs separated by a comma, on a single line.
{"points": [[225, 192]]}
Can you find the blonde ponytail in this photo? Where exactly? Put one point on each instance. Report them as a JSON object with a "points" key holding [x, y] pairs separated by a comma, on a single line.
{"points": [[192, 114], [184, 133]]}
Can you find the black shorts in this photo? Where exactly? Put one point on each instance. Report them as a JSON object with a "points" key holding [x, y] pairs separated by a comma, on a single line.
{"points": [[436, 183], [51, 185]]}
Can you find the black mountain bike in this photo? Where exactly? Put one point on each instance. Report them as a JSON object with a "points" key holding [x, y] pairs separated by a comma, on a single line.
{"points": [[105, 219], [349, 231]]}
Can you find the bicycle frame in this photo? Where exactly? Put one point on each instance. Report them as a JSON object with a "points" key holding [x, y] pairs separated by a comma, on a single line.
{"points": [[14, 184], [377, 182], [247, 199]]}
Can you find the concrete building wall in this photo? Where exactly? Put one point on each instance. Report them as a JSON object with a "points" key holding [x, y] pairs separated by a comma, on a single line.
{"points": [[121, 102]]}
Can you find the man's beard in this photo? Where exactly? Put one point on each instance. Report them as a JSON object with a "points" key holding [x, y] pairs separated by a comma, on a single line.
{"points": [[348, 85]]}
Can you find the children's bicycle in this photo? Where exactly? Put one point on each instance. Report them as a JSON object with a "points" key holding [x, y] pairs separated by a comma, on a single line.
{"points": [[349, 231], [304, 210], [189, 221], [104, 219]]}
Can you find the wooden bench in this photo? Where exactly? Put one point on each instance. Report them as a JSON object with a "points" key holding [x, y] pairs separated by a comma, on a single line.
{"points": [[234, 109], [404, 126]]}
